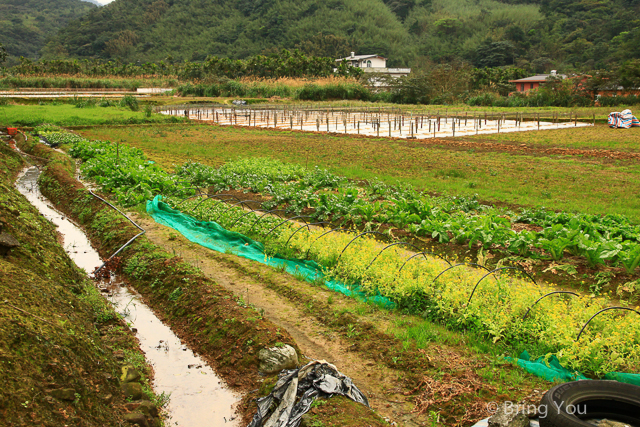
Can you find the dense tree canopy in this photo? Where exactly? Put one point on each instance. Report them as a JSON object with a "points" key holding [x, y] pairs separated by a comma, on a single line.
{"points": [[536, 35], [26, 24]]}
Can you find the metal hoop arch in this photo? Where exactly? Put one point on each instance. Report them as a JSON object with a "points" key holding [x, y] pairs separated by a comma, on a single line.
{"points": [[307, 226], [499, 269], [234, 205], [287, 220], [191, 197], [424, 254], [212, 197], [387, 247], [604, 309], [247, 213], [352, 240], [262, 216], [543, 297], [324, 234], [457, 265]]}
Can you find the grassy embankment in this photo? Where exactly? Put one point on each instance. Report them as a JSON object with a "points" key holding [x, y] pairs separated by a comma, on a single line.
{"points": [[221, 327], [600, 137], [70, 115], [61, 340], [571, 183]]}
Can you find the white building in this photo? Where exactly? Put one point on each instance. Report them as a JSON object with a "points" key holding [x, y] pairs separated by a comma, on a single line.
{"points": [[374, 64], [365, 61]]}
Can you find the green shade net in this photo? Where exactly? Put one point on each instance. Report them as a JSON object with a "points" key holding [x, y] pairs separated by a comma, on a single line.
{"points": [[551, 370], [624, 378], [211, 235]]}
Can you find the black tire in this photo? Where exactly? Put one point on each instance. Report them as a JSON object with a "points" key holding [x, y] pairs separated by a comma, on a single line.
{"points": [[588, 399]]}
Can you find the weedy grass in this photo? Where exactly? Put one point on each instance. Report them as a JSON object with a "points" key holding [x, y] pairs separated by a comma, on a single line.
{"points": [[70, 115], [84, 82], [599, 137]]}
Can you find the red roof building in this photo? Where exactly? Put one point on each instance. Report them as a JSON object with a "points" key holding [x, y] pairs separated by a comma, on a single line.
{"points": [[534, 82]]}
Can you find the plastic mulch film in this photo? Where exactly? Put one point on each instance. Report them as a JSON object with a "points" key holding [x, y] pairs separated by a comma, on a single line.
{"points": [[297, 389]]}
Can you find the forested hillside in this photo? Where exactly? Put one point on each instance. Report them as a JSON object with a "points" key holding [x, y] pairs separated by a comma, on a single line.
{"points": [[533, 34], [26, 24]]}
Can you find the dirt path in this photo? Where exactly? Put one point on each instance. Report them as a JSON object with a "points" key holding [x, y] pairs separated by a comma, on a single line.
{"points": [[382, 385]]}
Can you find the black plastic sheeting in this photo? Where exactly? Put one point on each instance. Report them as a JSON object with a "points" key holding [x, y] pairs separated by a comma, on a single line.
{"points": [[297, 389]]}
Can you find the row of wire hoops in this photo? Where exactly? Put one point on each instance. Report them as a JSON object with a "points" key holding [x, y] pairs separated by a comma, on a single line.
{"points": [[424, 254]]}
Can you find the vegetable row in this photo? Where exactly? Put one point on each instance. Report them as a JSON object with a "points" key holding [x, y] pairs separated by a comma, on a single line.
{"points": [[608, 239], [497, 310]]}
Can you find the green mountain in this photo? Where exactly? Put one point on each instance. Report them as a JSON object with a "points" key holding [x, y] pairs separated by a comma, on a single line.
{"points": [[540, 34], [26, 24]]}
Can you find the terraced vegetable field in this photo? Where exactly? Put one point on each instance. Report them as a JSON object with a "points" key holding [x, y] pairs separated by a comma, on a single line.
{"points": [[459, 297]]}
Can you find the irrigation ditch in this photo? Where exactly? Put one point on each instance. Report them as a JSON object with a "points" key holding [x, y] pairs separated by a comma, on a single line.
{"points": [[196, 394], [220, 327], [64, 348]]}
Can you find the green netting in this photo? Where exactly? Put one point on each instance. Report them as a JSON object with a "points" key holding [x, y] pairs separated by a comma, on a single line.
{"points": [[211, 235], [551, 370], [624, 378]]}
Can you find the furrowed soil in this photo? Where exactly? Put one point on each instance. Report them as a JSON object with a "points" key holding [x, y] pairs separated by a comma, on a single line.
{"points": [[603, 177]]}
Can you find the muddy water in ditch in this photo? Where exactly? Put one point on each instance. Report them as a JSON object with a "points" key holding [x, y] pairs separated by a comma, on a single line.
{"points": [[198, 396]]}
